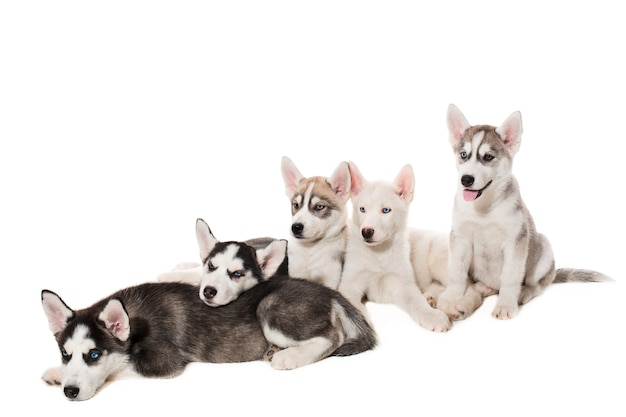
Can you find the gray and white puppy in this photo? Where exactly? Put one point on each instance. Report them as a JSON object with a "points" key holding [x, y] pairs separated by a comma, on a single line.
{"points": [[494, 245]]}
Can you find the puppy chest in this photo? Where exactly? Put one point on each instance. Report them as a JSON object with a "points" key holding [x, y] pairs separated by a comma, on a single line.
{"points": [[488, 247]]}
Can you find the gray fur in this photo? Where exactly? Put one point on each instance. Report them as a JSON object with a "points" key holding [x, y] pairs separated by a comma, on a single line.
{"points": [[170, 327], [579, 275]]}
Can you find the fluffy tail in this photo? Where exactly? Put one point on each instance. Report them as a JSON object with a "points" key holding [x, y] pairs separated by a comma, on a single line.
{"points": [[579, 275], [360, 336]]}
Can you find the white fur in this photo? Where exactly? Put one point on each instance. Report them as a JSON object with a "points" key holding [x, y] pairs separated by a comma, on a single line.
{"points": [[186, 272], [349, 327], [317, 254], [297, 353], [429, 258], [377, 266]]}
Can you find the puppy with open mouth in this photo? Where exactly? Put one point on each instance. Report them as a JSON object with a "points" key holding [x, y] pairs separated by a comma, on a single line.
{"points": [[494, 245]]}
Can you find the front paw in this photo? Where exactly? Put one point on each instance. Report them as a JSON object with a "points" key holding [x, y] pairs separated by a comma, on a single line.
{"points": [[53, 376], [505, 312], [455, 310], [435, 320]]}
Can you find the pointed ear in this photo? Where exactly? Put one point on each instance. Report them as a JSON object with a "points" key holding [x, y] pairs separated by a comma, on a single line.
{"points": [[404, 184], [291, 176], [116, 319], [271, 256], [206, 240], [341, 182], [511, 132], [457, 124], [357, 180], [56, 310]]}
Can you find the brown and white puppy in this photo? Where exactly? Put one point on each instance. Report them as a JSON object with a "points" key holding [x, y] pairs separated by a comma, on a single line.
{"points": [[317, 245], [494, 245]]}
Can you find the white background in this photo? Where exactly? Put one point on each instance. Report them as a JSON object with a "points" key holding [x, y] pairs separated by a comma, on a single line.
{"points": [[122, 122]]}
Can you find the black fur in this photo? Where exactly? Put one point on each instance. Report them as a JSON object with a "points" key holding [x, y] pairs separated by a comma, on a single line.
{"points": [[261, 243]]}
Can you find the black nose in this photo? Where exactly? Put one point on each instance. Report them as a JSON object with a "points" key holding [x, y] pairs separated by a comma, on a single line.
{"points": [[71, 392], [467, 180], [367, 233], [297, 229], [209, 292]]}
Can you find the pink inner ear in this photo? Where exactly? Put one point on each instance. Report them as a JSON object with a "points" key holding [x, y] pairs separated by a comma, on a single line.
{"points": [[58, 316], [356, 179], [116, 320], [56, 311], [510, 135], [457, 123], [206, 240], [511, 131], [340, 180], [115, 326], [291, 176], [271, 257], [291, 181], [404, 183]]}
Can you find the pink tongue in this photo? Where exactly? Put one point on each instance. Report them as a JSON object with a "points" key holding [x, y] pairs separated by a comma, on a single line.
{"points": [[470, 195]]}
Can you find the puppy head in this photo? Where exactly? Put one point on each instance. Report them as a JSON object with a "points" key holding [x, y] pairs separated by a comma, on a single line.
{"points": [[91, 342], [484, 154], [380, 209], [230, 268], [317, 203]]}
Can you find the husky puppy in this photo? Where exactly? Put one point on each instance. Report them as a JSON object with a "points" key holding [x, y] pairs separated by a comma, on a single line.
{"points": [[318, 223], [242, 266], [494, 245], [156, 329], [153, 330], [309, 320], [377, 266]]}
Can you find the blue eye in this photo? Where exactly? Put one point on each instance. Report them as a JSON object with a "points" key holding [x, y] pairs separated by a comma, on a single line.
{"points": [[320, 207], [362, 209], [92, 356], [386, 210], [65, 357], [487, 157], [237, 274], [463, 155]]}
